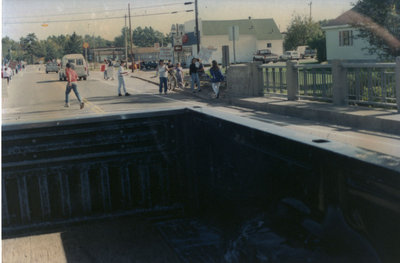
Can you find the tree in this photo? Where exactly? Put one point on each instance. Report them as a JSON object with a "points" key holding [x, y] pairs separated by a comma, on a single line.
{"points": [[142, 37], [73, 44], [119, 41], [319, 43], [30, 45], [379, 25], [300, 31]]}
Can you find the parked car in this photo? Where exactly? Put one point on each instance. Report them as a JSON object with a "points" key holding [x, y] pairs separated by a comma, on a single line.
{"points": [[309, 53], [52, 67], [265, 55], [290, 55], [78, 64]]}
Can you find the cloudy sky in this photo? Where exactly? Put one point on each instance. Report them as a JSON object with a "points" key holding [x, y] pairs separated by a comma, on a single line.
{"points": [[106, 18]]}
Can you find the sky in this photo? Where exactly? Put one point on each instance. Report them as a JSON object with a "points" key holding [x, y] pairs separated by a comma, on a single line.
{"points": [[21, 17]]}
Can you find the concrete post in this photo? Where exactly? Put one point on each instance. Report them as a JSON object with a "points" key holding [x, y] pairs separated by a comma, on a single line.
{"points": [[256, 85], [398, 83], [292, 75], [339, 84]]}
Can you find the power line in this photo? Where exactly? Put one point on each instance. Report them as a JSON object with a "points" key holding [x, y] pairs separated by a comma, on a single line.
{"points": [[94, 19], [102, 11]]}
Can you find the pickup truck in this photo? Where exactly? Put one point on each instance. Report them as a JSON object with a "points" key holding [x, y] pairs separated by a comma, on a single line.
{"points": [[266, 56]]}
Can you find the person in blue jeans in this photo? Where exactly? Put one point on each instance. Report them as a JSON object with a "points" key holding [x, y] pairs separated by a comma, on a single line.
{"points": [[194, 75], [121, 81], [216, 78], [162, 72]]}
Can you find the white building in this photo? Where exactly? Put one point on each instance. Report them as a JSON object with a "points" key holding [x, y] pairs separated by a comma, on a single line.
{"points": [[254, 34], [342, 41]]}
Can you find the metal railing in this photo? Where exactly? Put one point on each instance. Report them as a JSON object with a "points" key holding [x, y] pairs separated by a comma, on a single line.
{"points": [[315, 82], [274, 79], [371, 83], [367, 84]]}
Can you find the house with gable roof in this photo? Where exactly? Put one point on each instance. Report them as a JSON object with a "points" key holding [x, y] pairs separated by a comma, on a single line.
{"points": [[254, 34], [342, 41]]}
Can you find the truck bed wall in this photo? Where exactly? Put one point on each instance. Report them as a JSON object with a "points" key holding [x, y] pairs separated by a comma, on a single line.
{"points": [[221, 168]]}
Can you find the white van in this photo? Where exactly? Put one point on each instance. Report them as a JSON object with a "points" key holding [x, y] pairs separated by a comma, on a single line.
{"points": [[289, 55], [78, 63]]}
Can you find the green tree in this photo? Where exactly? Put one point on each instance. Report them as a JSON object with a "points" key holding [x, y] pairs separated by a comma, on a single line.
{"points": [[300, 31], [380, 26], [142, 37], [119, 41], [319, 43], [30, 45], [10, 48], [73, 44]]}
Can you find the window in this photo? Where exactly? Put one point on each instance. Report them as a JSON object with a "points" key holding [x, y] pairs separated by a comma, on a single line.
{"points": [[269, 45], [346, 38]]}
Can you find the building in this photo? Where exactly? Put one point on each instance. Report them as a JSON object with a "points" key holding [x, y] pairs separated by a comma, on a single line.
{"points": [[342, 42], [254, 34], [118, 53]]}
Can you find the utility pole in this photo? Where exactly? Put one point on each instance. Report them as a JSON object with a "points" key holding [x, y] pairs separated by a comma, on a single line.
{"points": [[130, 33], [310, 4], [197, 27], [126, 44]]}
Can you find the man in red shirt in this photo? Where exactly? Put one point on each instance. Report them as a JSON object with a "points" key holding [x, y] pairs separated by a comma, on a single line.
{"points": [[72, 78]]}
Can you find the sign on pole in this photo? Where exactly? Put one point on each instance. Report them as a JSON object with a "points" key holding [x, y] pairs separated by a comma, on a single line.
{"points": [[178, 40], [234, 36], [166, 53], [234, 33], [178, 48]]}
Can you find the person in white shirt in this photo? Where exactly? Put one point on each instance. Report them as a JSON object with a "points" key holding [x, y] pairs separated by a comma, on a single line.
{"points": [[121, 81], [162, 72], [7, 73]]}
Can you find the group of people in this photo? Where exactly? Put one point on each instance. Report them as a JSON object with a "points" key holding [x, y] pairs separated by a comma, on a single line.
{"points": [[196, 69], [109, 70], [72, 78], [163, 70]]}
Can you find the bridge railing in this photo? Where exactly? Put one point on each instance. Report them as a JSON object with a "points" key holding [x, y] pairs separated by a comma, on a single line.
{"points": [[370, 84]]}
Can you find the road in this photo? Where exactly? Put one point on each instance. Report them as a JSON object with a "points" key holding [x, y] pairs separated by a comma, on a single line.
{"points": [[35, 96]]}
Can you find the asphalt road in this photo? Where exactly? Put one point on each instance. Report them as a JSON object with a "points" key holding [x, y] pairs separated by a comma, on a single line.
{"points": [[34, 95]]}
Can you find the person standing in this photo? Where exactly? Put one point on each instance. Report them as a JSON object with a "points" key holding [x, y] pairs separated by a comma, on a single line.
{"points": [[194, 75], [72, 78], [216, 78], [105, 69], [110, 70], [162, 72], [7, 73], [121, 82], [179, 75]]}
